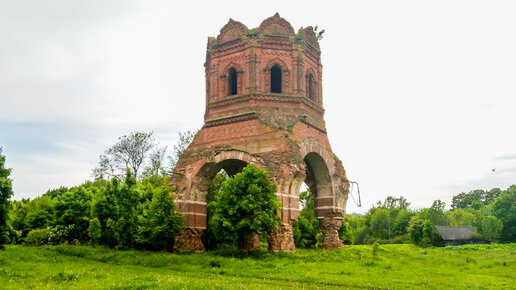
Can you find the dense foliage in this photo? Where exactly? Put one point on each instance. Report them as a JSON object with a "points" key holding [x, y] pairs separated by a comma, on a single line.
{"points": [[246, 205], [136, 210], [5, 193], [492, 213], [128, 214], [306, 227], [208, 238]]}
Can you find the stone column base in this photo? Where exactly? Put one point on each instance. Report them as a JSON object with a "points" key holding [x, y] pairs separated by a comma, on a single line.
{"points": [[189, 240], [251, 244], [282, 239], [329, 227]]}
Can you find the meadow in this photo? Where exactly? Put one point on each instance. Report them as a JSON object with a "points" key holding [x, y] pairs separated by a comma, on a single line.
{"points": [[388, 266]]}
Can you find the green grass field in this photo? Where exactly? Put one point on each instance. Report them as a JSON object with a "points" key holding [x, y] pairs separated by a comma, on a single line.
{"points": [[395, 266]]}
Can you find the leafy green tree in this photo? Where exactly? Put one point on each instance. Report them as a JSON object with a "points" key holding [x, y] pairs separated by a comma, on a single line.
{"points": [[94, 231], [5, 194], [504, 208], [54, 193], [392, 203], [131, 151], [156, 162], [73, 208], [479, 214], [475, 199], [416, 230], [430, 234], [127, 203], [17, 216], [104, 208], [356, 224], [345, 233], [160, 223], [491, 195], [402, 222], [247, 204], [380, 223], [460, 217], [40, 214], [436, 214], [491, 228]]}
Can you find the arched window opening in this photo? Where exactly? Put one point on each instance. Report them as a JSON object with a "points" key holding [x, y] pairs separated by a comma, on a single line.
{"points": [[311, 87], [232, 82], [276, 79]]}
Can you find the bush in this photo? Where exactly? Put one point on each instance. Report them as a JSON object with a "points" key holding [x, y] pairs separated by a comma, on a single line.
{"points": [[247, 204], [61, 235], [160, 223], [37, 237], [94, 231]]}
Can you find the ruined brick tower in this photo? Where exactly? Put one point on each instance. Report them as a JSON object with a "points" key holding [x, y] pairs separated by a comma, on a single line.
{"points": [[264, 106]]}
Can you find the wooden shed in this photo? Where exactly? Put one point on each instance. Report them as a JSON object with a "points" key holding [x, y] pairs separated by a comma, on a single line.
{"points": [[454, 236]]}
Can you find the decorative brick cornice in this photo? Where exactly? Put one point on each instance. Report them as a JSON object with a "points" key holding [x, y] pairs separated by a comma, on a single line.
{"points": [[231, 119], [267, 97], [230, 47], [313, 126]]}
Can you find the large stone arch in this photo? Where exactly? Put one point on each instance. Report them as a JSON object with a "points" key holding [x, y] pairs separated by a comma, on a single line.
{"points": [[192, 190], [326, 178], [319, 181]]}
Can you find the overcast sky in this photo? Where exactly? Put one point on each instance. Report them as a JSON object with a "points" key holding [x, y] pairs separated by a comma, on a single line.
{"points": [[420, 96]]}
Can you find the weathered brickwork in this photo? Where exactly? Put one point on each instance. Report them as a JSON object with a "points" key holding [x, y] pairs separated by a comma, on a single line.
{"points": [[263, 106]]}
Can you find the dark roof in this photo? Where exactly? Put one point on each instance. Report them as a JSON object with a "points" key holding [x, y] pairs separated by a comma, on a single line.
{"points": [[456, 233]]}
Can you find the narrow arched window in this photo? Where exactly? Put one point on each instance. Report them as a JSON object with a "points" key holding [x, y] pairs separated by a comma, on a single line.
{"points": [[311, 87], [276, 79], [232, 82]]}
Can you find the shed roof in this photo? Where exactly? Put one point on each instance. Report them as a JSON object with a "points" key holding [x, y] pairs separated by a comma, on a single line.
{"points": [[456, 233]]}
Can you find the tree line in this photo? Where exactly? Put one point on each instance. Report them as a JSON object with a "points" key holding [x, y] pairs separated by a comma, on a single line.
{"points": [[135, 210], [128, 206], [492, 213]]}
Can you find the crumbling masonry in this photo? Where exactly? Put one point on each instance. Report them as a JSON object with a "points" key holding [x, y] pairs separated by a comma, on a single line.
{"points": [[263, 106]]}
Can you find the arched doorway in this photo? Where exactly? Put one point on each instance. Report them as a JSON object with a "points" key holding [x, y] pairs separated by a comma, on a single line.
{"points": [[194, 206], [319, 181]]}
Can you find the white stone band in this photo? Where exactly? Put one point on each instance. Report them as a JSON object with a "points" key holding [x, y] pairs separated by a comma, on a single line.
{"points": [[191, 201], [287, 195]]}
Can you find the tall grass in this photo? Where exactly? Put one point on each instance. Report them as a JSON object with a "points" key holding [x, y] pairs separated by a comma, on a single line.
{"points": [[383, 266]]}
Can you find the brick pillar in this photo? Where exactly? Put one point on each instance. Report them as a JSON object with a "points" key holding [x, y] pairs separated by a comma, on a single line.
{"points": [[253, 243], [329, 227], [252, 64], [282, 239], [189, 240]]}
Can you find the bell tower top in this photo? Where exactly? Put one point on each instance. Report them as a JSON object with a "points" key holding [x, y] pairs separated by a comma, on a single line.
{"points": [[269, 67], [263, 107]]}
